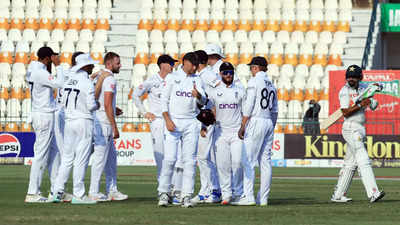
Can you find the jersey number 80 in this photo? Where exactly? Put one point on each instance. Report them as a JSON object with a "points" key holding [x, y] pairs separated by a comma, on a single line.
{"points": [[267, 99]]}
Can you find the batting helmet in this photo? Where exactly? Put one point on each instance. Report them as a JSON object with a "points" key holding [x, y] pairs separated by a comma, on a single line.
{"points": [[354, 71]]}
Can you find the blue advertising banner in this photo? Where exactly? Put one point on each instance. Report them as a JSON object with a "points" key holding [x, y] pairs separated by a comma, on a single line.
{"points": [[18, 144]]}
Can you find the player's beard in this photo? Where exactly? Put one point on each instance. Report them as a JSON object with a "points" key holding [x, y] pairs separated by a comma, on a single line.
{"points": [[227, 82]]}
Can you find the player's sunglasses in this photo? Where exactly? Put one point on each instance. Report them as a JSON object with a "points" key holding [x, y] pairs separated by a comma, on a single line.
{"points": [[172, 64], [228, 72]]}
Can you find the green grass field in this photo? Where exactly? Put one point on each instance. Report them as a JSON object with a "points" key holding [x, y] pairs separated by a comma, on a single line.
{"points": [[292, 201]]}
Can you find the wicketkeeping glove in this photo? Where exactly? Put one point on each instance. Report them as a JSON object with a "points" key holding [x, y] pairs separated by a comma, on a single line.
{"points": [[206, 117]]}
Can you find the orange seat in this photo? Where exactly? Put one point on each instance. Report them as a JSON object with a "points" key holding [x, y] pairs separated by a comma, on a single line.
{"points": [[141, 58], [335, 60], [324, 131], [300, 131], [200, 25], [66, 57], [31, 23], [4, 93], [21, 57], [17, 93], [320, 59], [74, 24], [306, 60], [129, 127], [244, 25], [97, 56], [1, 127], [216, 25], [45, 24], [144, 127], [154, 57], [60, 24], [4, 24], [324, 94], [88, 24], [287, 25], [11, 127], [130, 94], [26, 127], [278, 129], [272, 25], [173, 24], [297, 94], [245, 58], [230, 25], [315, 26], [311, 94], [33, 57], [301, 26], [283, 94], [6, 57], [259, 25], [144, 24], [343, 26], [27, 93], [291, 59], [291, 129], [232, 58], [329, 26], [276, 59], [17, 24], [159, 25]]}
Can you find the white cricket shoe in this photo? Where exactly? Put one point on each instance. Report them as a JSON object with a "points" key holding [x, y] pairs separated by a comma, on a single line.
{"points": [[226, 201], [99, 197], [85, 200], [379, 195], [187, 203], [215, 197], [341, 199], [243, 201], [38, 198], [198, 199], [117, 196], [163, 200], [65, 197]]}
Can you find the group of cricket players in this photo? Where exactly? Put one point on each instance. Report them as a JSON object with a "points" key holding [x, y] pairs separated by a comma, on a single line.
{"points": [[81, 122]]}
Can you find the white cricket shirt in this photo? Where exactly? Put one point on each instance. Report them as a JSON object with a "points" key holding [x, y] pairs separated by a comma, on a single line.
{"points": [[109, 85], [347, 98]]}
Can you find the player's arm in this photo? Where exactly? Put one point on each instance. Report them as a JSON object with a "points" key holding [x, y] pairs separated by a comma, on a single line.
{"points": [[136, 97], [274, 110], [345, 107], [46, 79], [199, 93], [165, 98], [91, 103], [248, 107]]}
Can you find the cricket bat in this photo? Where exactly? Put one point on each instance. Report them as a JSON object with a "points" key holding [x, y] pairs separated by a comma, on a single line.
{"points": [[367, 93]]}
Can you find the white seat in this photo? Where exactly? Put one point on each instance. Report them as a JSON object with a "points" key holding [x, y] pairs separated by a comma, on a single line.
{"points": [[231, 48], [172, 49], [82, 46], [54, 45], [321, 49], [311, 37], [98, 47], [345, 15], [282, 109], [340, 37], [3, 35], [297, 37], [57, 35], [213, 36], [288, 4], [61, 4], [231, 15], [61, 13], [231, 4], [152, 69], [174, 14], [189, 4], [241, 36], [259, 16], [336, 49], [46, 12], [139, 70], [75, 4], [5, 4], [26, 107], [7, 46], [291, 49], [141, 48], [198, 36], [331, 15], [142, 36], [156, 48], [313, 82], [243, 70], [71, 35], [22, 46], [325, 37], [14, 35], [316, 15], [306, 49], [32, 13], [276, 48], [200, 46], [36, 45], [345, 4], [261, 49], [227, 36], [170, 36], [255, 36], [156, 36], [184, 36], [284, 83], [273, 71], [302, 15], [299, 83], [295, 109], [104, 4], [301, 71], [74, 13], [324, 113], [17, 3], [100, 35], [90, 4], [246, 48], [274, 5], [317, 4], [331, 4], [288, 15], [303, 4], [67, 46], [245, 5], [283, 36], [316, 70], [325, 82], [89, 14], [18, 69], [86, 35], [269, 36], [160, 4], [260, 4], [287, 70], [185, 48], [203, 5], [5, 69], [217, 4]]}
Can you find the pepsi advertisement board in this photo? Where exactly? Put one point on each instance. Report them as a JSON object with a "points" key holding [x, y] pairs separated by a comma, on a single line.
{"points": [[17, 144]]}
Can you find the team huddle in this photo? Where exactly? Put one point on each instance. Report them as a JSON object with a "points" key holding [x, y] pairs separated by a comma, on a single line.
{"points": [[200, 114]]}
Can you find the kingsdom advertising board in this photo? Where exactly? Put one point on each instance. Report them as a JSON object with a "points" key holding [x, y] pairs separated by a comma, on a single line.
{"points": [[386, 118]]}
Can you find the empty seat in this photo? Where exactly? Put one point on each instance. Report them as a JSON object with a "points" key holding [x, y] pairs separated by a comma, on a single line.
{"points": [[61, 4], [261, 49], [316, 17], [345, 17], [284, 86], [142, 36], [172, 49], [188, 17], [90, 4], [88, 18], [14, 35], [160, 4], [231, 53], [335, 52], [330, 20], [188, 4], [273, 71], [295, 109], [152, 69], [274, 5], [255, 36], [246, 52], [241, 36], [22, 50], [202, 17], [159, 18], [75, 3], [71, 35], [31, 19], [276, 53], [4, 18], [203, 5], [302, 20], [174, 16], [231, 17], [245, 21], [299, 84], [288, 18], [260, 4], [287, 70], [142, 54], [185, 48], [259, 17], [331, 5], [198, 36], [291, 52], [317, 4], [345, 4], [100, 35], [297, 37], [320, 54], [301, 70], [156, 49], [218, 4], [82, 46], [170, 36], [18, 3], [212, 36], [283, 36], [282, 109], [226, 36], [156, 36], [139, 70], [216, 20], [274, 17], [184, 36], [146, 15], [311, 37], [269, 36], [306, 53]]}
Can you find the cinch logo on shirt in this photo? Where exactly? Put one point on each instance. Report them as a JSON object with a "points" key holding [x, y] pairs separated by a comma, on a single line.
{"points": [[183, 94], [228, 106]]}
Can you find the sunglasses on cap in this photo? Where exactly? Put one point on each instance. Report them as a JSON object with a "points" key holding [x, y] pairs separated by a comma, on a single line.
{"points": [[228, 72]]}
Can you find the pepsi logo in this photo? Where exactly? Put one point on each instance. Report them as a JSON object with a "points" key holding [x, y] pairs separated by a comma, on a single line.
{"points": [[9, 145]]}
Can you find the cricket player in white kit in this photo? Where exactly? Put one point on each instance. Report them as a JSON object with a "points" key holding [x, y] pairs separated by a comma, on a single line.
{"points": [[180, 98], [257, 129], [104, 157], [227, 99], [46, 154], [79, 101], [353, 132], [205, 155]]}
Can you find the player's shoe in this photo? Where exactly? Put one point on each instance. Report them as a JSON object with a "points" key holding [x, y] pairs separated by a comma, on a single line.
{"points": [[117, 196], [163, 200], [198, 199], [243, 201], [377, 196], [99, 197], [226, 201], [186, 202], [65, 197], [176, 201], [85, 200], [341, 199], [38, 198], [215, 197]]}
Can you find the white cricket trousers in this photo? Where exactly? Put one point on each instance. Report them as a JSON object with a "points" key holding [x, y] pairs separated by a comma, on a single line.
{"points": [[104, 158], [229, 150], [206, 161], [46, 153], [186, 130], [258, 139], [357, 156], [78, 141], [59, 125]]}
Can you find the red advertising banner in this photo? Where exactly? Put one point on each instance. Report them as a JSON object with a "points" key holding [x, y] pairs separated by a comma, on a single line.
{"points": [[386, 118]]}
